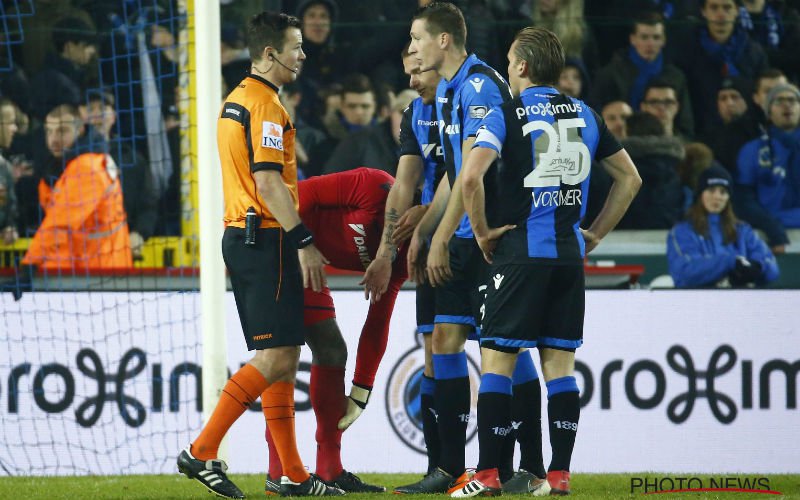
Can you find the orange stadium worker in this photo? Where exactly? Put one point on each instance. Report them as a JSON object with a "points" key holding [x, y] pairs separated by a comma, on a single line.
{"points": [[270, 256], [84, 225]]}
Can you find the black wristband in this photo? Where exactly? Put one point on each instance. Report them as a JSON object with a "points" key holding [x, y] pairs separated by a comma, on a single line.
{"points": [[300, 236]]}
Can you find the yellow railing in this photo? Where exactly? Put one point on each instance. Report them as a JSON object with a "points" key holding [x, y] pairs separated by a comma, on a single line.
{"points": [[158, 251]]}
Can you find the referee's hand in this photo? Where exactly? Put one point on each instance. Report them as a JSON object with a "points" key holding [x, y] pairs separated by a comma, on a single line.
{"points": [[312, 263]]}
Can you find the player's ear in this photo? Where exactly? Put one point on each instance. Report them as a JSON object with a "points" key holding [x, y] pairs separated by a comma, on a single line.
{"points": [[444, 40]]}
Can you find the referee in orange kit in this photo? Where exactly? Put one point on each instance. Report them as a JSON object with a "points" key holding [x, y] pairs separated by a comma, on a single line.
{"points": [[270, 256]]}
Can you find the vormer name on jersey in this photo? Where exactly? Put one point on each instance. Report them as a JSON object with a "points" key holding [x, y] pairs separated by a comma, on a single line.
{"points": [[569, 198]]}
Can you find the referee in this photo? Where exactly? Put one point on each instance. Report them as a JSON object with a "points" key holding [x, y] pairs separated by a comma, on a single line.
{"points": [[262, 242], [534, 201]]}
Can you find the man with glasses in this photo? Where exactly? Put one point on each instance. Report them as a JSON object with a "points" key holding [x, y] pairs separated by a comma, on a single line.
{"points": [[661, 101], [767, 180]]}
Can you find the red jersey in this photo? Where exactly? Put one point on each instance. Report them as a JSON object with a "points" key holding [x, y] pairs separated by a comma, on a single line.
{"points": [[345, 212]]}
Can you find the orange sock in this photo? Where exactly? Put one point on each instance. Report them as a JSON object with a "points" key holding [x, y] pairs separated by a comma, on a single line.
{"points": [[278, 405], [238, 394]]}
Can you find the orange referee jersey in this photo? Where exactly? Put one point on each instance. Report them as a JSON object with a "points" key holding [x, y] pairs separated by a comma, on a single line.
{"points": [[254, 133]]}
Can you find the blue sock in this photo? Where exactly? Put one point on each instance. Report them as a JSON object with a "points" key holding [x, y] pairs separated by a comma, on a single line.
{"points": [[452, 401]]}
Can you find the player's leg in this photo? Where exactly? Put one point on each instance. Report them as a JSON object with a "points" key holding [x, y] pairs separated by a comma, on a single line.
{"points": [[326, 388], [507, 326], [563, 334], [426, 312], [451, 393], [526, 420], [456, 311], [430, 429], [494, 420], [563, 412], [453, 321], [328, 401]]}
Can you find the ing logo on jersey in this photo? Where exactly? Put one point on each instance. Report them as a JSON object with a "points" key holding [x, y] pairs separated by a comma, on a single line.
{"points": [[403, 402], [271, 135]]}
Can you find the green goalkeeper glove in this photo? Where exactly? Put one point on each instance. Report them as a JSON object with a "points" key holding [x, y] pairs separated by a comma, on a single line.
{"points": [[356, 402]]}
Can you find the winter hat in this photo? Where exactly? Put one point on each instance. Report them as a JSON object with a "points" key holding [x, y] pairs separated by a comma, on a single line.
{"points": [[713, 176], [773, 94], [331, 5], [740, 85]]}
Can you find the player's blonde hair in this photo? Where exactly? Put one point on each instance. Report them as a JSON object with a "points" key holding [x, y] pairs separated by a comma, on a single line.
{"points": [[542, 52]]}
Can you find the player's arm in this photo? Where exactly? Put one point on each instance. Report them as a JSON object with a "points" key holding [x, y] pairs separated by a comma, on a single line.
{"points": [[626, 183], [371, 348], [400, 199], [401, 196], [281, 205], [427, 225], [416, 264], [474, 196], [268, 124], [624, 188], [438, 267]]}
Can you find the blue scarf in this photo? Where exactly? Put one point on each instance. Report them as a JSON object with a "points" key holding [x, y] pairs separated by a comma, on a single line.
{"points": [[726, 54], [767, 30], [647, 71]]}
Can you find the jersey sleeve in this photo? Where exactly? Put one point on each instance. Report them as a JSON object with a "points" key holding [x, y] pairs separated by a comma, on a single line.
{"points": [[480, 93], [268, 125], [408, 141], [375, 334], [492, 133], [607, 144]]}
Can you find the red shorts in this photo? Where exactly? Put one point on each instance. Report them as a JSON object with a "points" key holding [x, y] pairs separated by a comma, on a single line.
{"points": [[318, 306]]}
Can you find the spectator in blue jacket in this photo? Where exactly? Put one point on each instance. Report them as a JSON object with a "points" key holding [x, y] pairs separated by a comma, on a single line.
{"points": [[711, 248], [768, 169]]}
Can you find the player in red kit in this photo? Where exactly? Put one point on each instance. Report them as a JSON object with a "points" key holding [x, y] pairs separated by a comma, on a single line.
{"points": [[345, 213]]}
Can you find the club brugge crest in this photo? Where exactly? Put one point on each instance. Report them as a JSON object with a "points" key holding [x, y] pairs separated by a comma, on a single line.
{"points": [[403, 397]]}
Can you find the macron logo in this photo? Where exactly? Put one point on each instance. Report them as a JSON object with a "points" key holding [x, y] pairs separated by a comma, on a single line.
{"points": [[359, 228], [515, 425], [477, 83], [498, 279]]}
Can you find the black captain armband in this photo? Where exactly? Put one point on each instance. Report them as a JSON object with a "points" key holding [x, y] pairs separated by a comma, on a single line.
{"points": [[300, 236]]}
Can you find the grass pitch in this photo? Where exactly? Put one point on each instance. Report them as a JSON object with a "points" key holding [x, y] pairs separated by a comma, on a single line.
{"points": [[585, 486]]}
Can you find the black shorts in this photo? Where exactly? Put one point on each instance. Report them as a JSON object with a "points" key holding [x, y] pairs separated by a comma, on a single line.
{"points": [[533, 305], [426, 304], [268, 287], [459, 300]]}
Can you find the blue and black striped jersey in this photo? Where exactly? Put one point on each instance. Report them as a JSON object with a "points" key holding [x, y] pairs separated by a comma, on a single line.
{"points": [[419, 136], [461, 103], [547, 142]]}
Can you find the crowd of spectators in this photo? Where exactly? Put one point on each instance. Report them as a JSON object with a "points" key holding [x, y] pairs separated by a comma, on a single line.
{"points": [[684, 84]]}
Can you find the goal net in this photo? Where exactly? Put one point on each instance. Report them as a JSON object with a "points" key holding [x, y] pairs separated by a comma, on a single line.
{"points": [[100, 370]]}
